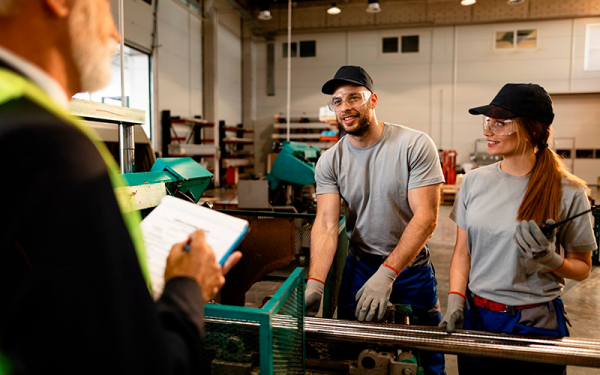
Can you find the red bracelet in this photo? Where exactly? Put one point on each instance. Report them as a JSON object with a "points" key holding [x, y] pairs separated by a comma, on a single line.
{"points": [[556, 269], [313, 278], [460, 294], [392, 268]]}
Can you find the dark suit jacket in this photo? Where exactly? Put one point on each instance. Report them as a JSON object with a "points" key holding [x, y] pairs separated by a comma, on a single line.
{"points": [[72, 295]]}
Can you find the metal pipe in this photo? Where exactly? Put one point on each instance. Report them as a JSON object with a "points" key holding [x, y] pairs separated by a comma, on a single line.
{"points": [[126, 131], [563, 351]]}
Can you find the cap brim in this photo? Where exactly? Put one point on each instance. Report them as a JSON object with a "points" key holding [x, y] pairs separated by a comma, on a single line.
{"points": [[494, 111], [330, 86]]}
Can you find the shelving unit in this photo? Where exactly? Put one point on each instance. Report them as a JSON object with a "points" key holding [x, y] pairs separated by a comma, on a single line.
{"points": [[310, 131], [233, 155], [183, 136]]}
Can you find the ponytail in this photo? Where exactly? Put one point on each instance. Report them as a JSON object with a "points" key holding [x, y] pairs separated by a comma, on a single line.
{"points": [[544, 191]]}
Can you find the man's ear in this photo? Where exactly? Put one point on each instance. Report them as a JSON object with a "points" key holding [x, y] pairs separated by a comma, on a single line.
{"points": [[374, 100], [59, 8]]}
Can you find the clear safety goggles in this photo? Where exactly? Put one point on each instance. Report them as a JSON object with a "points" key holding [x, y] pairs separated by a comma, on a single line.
{"points": [[353, 99], [499, 127]]}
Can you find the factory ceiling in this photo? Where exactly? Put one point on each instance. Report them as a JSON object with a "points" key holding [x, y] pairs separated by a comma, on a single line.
{"points": [[309, 16]]}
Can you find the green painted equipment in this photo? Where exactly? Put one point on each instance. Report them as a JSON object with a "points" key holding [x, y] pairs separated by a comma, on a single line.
{"points": [[179, 175], [295, 164]]}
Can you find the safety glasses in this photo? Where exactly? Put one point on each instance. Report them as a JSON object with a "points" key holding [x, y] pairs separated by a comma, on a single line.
{"points": [[353, 100], [499, 127]]}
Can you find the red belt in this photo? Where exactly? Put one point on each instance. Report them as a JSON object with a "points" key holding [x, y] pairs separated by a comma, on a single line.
{"points": [[500, 307]]}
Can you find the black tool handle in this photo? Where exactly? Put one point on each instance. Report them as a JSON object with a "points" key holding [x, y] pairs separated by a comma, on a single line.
{"points": [[548, 229]]}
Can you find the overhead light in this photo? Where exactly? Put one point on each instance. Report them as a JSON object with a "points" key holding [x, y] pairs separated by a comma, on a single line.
{"points": [[467, 2], [373, 7], [334, 10], [264, 15], [515, 2]]}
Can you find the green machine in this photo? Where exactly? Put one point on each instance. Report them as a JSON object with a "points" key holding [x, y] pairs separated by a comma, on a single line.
{"points": [[292, 170], [295, 164], [181, 177]]}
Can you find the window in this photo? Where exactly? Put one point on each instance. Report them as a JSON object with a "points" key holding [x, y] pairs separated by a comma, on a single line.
{"points": [[592, 47], [514, 39], [564, 154], [294, 50], [410, 43], [389, 45], [194, 5], [137, 85], [308, 48], [584, 154]]}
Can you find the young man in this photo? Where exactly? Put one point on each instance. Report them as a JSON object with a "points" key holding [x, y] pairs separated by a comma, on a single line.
{"points": [[74, 297], [388, 177]]}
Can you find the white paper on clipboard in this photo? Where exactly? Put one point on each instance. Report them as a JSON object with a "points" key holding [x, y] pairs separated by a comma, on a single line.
{"points": [[173, 220]]}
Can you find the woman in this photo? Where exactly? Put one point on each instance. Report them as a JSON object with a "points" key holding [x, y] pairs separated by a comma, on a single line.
{"points": [[509, 273]]}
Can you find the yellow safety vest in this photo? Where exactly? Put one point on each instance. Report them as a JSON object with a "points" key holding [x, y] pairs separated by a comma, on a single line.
{"points": [[14, 86]]}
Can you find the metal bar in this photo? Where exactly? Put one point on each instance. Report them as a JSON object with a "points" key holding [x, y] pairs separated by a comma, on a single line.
{"points": [[126, 138], [289, 70], [565, 351], [562, 351]]}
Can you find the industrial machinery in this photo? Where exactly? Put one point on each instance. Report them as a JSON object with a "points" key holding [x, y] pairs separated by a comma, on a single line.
{"points": [[272, 336], [180, 177], [292, 170]]}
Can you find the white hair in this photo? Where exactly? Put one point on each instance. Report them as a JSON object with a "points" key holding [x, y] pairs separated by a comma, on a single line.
{"points": [[9, 7]]}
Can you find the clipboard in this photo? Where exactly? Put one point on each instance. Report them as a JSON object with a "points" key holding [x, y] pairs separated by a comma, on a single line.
{"points": [[173, 220]]}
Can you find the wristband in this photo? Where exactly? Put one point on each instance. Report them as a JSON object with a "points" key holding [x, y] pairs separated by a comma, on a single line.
{"points": [[392, 268], [314, 278], [460, 294]]}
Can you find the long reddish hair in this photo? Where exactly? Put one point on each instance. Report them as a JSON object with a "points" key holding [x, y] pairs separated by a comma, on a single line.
{"points": [[544, 191]]}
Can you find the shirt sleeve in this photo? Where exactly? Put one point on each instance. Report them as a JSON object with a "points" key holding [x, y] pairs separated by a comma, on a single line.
{"points": [[577, 235], [325, 175], [425, 168], [459, 210]]}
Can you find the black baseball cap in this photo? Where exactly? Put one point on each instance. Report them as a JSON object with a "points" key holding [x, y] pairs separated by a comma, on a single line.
{"points": [[519, 100], [348, 74]]}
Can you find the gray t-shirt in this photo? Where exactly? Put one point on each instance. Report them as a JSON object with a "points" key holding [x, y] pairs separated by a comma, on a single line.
{"points": [[486, 208], [374, 181]]}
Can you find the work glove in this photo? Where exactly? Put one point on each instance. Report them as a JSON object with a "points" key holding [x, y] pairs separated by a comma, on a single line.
{"points": [[455, 313], [374, 295], [534, 245], [312, 296]]}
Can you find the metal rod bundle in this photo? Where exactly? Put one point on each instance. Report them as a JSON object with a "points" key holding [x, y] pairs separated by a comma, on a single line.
{"points": [[565, 351]]}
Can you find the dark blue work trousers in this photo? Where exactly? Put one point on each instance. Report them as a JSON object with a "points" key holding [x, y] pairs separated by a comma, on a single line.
{"points": [[551, 316], [415, 286]]}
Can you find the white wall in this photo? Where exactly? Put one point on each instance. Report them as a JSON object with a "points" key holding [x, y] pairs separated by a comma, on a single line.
{"points": [[229, 71], [456, 68], [179, 60]]}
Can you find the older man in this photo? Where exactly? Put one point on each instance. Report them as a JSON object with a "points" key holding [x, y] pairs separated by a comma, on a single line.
{"points": [[388, 177], [74, 296]]}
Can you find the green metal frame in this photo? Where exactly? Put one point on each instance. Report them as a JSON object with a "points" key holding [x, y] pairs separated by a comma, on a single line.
{"points": [[263, 316]]}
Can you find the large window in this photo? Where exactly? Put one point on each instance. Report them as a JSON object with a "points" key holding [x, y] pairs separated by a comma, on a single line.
{"points": [[137, 85]]}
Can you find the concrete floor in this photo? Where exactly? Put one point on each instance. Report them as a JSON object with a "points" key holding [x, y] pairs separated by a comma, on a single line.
{"points": [[581, 299]]}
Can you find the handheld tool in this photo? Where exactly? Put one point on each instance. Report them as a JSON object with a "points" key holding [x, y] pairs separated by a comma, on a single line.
{"points": [[547, 229]]}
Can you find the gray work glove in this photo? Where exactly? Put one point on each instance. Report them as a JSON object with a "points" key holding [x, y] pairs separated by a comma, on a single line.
{"points": [[455, 313], [535, 246], [312, 296], [374, 295]]}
